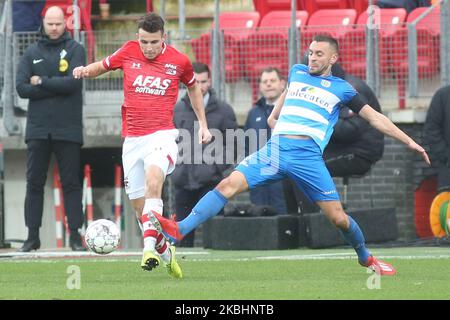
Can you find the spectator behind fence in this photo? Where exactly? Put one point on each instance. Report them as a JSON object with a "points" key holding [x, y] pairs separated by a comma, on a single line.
{"points": [[409, 5], [104, 7], [192, 181], [354, 145], [27, 15], [54, 123], [271, 86], [437, 136]]}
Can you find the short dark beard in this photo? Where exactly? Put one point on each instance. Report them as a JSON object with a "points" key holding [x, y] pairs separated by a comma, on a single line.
{"points": [[319, 73]]}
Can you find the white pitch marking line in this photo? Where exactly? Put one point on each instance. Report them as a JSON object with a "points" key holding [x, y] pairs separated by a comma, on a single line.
{"points": [[86, 254]]}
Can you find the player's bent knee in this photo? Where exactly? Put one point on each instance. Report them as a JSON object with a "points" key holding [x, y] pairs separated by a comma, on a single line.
{"points": [[224, 187], [155, 177], [154, 186], [340, 221], [234, 184]]}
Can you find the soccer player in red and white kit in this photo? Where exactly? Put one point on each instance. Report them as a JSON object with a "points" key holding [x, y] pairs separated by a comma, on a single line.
{"points": [[152, 71]]}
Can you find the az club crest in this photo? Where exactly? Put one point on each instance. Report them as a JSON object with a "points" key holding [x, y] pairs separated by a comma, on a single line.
{"points": [[171, 69]]}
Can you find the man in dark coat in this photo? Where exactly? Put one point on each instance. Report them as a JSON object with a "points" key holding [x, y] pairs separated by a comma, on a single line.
{"points": [[354, 145], [437, 135], [271, 85], [196, 176], [54, 123]]}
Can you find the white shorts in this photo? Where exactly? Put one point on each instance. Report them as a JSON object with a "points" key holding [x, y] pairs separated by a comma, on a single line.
{"points": [[159, 149]]}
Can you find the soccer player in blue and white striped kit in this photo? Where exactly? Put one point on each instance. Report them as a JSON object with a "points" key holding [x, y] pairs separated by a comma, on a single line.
{"points": [[303, 120]]}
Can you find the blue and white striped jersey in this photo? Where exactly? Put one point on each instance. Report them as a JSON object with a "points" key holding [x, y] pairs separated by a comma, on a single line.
{"points": [[312, 103]]}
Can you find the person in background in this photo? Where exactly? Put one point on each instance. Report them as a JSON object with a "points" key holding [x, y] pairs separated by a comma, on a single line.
{"points": [[354, 146], [152, 71], [271, 86], [303, 119], [192, 181], [54, 123], [436, 134]]}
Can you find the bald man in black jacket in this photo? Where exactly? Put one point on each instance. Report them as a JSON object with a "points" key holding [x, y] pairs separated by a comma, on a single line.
{"points": [[54, 123]]}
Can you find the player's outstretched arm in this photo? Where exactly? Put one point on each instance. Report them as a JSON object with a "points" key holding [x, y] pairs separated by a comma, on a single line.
{"points": [[386, 126], [272, 120], [90, 71], [195, 95]]}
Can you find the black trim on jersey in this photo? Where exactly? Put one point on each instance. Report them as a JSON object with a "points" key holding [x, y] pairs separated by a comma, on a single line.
{"points": [[357, 103]]}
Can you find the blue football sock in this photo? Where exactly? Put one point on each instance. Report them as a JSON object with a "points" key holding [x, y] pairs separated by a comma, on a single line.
{"points": [[206, 208], [355, 238]]}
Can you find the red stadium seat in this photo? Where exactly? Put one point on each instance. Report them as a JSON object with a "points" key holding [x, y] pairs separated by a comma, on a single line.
{"points": [[149, 5], [283, 19], [353, 44], [314, 5], [360, 5], [265, 49], [428, 47], [246, 21], [201, 48], [85, 20], [334, 22], [268, 46], [266, 6], [236, 26]]}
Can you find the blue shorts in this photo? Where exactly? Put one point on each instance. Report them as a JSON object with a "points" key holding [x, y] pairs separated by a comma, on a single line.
{"points": [[297, 159]]}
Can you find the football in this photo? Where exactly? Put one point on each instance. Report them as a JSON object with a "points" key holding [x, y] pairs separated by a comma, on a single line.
{"points": [[102, 236]]}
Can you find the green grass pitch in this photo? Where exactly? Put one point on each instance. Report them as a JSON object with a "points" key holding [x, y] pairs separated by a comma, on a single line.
{"points": [[423, 273]]}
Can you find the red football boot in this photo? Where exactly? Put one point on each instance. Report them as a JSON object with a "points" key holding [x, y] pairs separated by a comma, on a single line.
{"points": [[379, 267], [168, 227]]}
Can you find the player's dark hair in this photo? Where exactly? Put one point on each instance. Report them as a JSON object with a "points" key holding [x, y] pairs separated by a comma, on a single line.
{"points": [[200, 68], [151, 22], [325, 38], [271, 69]]}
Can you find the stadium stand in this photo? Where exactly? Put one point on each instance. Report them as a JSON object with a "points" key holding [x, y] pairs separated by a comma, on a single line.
{"points": [[236, 26], [85, 20], [428, 33], [266, 6], [360, 5], [428, 47], [268, 45], [249, 46], [282, 18], [313, 6], [353, 43], [335, 22]]}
